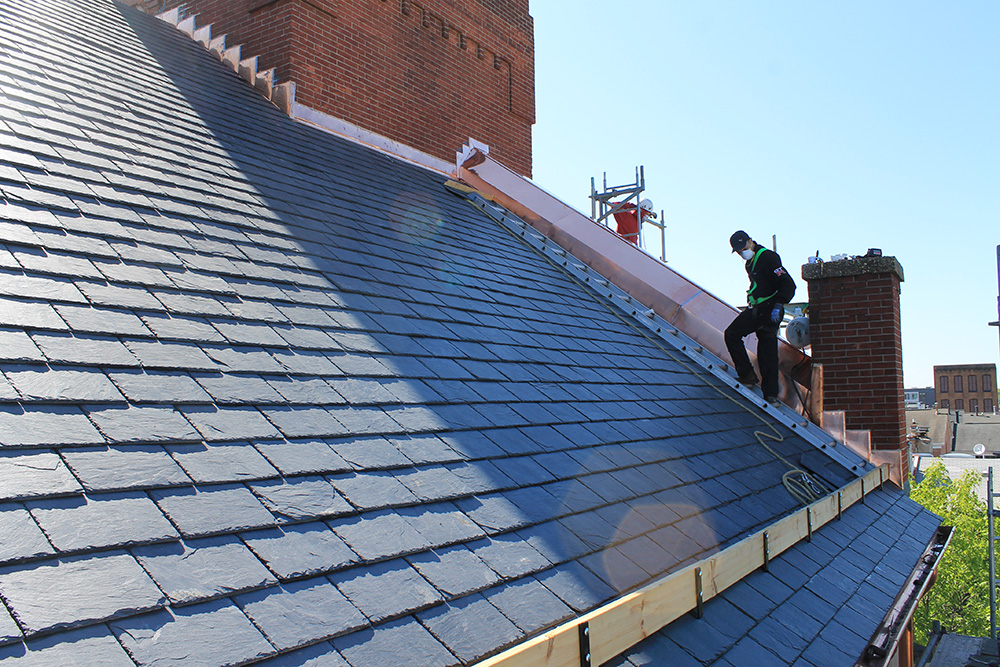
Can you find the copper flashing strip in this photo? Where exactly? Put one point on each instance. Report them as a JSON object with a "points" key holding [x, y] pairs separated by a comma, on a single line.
{"points": [[885, 642], [622, 623]]}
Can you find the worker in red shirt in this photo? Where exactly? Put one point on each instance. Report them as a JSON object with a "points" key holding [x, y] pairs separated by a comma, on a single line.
{"points": [[628, 220]]}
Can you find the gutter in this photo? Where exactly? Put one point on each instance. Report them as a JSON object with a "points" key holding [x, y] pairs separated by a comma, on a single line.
{"points": [[884, 644]]}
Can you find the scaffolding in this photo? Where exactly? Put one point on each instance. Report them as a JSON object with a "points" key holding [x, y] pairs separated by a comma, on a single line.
{"points": [[629, 196], [991, 539]]}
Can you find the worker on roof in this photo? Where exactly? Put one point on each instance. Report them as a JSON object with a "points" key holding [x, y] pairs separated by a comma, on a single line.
{"points": [[771, 287], [628, 220]]}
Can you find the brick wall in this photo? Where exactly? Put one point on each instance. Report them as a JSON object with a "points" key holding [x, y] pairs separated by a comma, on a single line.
{"points": [[427, 74], [855, 332]]}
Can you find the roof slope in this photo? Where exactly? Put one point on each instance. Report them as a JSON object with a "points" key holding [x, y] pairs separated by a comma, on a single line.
{"points": [[268, 395]]}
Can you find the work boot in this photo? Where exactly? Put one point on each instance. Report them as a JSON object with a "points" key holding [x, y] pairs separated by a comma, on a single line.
{"points": [[749, 378]]}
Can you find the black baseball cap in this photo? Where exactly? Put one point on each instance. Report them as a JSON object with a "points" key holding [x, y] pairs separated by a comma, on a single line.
{"points": [[739, 240]]}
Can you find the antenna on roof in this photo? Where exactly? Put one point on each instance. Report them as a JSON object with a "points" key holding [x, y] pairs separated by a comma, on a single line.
{"points": [[631, 214]]}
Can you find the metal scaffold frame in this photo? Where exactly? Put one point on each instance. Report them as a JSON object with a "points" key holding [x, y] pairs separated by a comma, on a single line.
{"points": [[602, 208]]}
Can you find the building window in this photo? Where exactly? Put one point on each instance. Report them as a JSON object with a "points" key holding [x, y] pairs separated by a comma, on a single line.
{"points": [[958, 385], [959, 404], [946, 404], [974, 405], [972, 383], [987, 383], [988, 405], [944, 385]]}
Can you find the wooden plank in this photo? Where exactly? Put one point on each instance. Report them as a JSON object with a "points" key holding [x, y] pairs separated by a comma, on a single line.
{"points": [[623, 623]]}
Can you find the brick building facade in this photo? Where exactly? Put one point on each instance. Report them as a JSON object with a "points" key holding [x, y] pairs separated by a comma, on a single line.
{"points": [[966, 387], [428, 75]]}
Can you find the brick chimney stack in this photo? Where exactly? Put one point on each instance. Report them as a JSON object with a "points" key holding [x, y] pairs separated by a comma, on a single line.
{"points": [[854, 328], [428, 75]]}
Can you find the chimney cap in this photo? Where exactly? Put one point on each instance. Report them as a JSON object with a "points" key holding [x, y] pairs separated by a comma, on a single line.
{"points": [[852, 267]]}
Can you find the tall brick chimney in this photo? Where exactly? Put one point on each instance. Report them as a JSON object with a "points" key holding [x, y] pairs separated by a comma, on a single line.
{"points": [[855, 332], [427, 74]]}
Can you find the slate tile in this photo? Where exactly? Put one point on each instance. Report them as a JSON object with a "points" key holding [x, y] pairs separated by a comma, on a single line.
{"points": [[130, 273], [298, 457], [56, 262], [470, 627], [369, 453], [509, 555], [118, 296], [380, 534], [93, 645], [248, 333], [424, 449], [433, 483], [577, 586], [415, 419], [300, 550], [47, 288], [20, 536], [190, 636], [301, 498], [385, 590], [362, 392], [9, 632], [29, 315], [253, 309], [313, 391], [301, 612], [243, 359], [494, 512], [372, 490], [49, 595], [530, 605], [92, 350], [229, 423], [400, 642], [100, 521], [159, 387], [130, 423], [102, 321], [455, 571], [212, 509], [232, 389], [28, 473], [311, 422], [305, 338], [315, 655], [17, 346], [123, 467], [171, 355], [180, 327], [41, 383], [202, 569], [231, 462]]}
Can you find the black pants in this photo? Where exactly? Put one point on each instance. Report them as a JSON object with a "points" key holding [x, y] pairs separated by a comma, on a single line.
{"points": [[756, 320]]}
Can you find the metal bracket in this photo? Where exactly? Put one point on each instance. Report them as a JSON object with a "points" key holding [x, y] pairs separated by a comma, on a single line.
{"points": [[767, 553], [863, 491], [809, 523], [584, 632], [840, 505], [699, 593]]}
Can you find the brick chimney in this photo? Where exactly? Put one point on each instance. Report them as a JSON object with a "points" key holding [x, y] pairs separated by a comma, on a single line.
{"points": [[428, 75], [855, 332]]}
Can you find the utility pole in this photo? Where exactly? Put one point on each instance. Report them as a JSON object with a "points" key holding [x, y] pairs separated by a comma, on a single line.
{"points": [[997, 323]]}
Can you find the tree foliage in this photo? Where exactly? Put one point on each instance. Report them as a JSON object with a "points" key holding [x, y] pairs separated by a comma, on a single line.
{"points": [[960, 598]]}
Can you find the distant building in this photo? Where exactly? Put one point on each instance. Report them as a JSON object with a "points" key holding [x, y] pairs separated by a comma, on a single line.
{"points": [[919, 399], [966, 387]]}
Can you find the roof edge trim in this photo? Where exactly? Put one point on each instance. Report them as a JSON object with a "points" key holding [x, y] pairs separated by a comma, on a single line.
{"points": [[621, 624]]}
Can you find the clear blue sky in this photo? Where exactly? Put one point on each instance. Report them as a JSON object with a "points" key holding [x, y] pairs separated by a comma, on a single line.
{"points": [[837, 126]]}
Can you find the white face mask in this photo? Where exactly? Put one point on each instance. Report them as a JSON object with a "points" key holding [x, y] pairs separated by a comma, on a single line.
{"points": [[746, 254]]}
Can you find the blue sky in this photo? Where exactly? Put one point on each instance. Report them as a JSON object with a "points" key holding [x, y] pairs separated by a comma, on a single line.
{"points": [[837, 127]]}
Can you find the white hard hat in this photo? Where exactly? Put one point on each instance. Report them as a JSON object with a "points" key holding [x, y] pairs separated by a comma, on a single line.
{"points": [[646, 204]]}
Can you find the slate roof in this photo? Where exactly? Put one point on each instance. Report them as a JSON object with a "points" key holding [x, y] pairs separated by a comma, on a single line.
{"points": [[271, 396]]}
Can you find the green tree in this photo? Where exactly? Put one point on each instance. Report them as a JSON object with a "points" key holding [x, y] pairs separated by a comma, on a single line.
{"points": [[960, 598]]}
